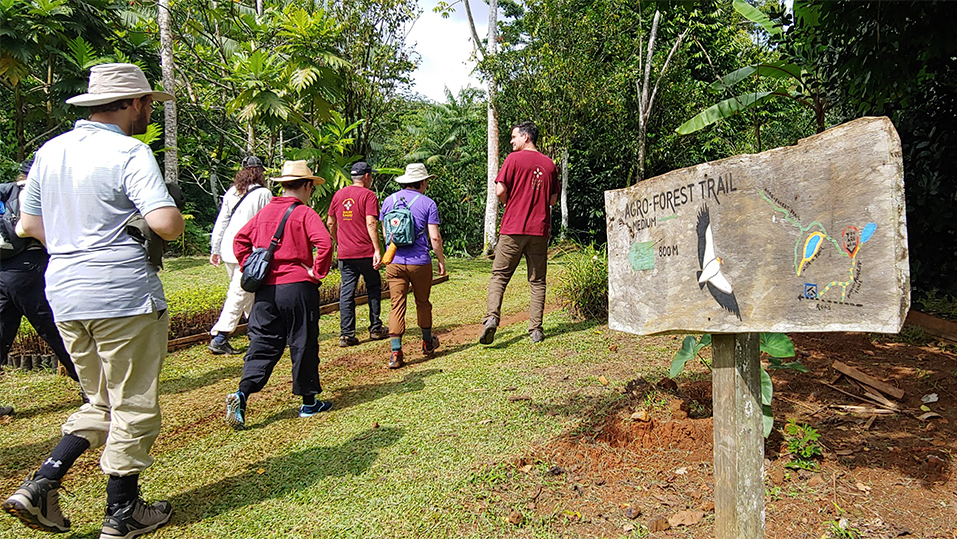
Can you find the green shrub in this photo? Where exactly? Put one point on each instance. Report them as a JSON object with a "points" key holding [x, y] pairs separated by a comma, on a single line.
{"points": [[583, 290], [803, 444]]}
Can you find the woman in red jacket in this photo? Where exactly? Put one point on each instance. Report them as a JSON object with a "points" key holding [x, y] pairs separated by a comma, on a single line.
{"points": [[286, 308]]}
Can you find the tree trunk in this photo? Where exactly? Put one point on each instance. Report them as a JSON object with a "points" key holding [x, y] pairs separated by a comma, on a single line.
{"points": [[20, 120], [491, 201], [250, 138], [647, 93], [171, 169], [564, 195], [214, 170]]}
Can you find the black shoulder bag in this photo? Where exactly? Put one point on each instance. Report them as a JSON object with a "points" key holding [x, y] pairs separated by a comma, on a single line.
{"points": [[256, 267], [241, 199]]}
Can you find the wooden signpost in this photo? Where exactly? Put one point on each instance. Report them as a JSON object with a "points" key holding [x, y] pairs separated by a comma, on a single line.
{"points": [[805, 238]]}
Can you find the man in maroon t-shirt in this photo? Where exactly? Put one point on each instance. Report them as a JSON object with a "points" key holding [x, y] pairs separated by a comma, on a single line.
{"points": [[352, 223], [528, 186]]}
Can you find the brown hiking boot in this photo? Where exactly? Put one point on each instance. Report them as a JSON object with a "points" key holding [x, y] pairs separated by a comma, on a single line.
{"points": [[379, 333], [37, 504], [395, 361]]}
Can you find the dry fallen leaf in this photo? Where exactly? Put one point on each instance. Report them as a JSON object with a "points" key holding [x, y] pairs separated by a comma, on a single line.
{"points": [[929, 415], [515, 517], [261, 471], [525, 469], [641, 415], [681, 471], [658, 524], [686, 518], [862, 487], [602, 380]]}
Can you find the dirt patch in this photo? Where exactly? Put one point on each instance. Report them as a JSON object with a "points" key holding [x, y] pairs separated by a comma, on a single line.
{"points": [[880, 476]]}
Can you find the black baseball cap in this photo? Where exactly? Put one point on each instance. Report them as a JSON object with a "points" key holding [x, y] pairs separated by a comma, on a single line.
{"points": [[361, 168], [252, 161]]}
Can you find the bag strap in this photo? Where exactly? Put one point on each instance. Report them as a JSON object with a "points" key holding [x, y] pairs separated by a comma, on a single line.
{"points": [[274, 244], [236, 207]]}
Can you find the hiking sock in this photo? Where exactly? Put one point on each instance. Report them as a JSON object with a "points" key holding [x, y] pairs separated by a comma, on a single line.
{"points": [[427, 335], [63, 456], [122, 489], [396, 344], [308, 400]]}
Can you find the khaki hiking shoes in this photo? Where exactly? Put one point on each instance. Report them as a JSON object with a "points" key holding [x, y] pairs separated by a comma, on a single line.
{"points": [[37, 504], [134, 518]]}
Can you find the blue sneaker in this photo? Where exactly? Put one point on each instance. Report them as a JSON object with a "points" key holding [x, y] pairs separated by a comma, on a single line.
{"points": [[235, 411], [309, 410]]}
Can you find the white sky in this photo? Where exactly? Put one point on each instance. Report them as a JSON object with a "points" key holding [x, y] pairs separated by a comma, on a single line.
{"points": [[445, 46]]}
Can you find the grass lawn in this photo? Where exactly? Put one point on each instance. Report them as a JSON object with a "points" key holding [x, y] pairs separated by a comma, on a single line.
{"points": [[400, 455]]}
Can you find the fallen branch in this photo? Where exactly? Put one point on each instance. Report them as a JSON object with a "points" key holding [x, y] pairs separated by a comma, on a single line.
{"points": [[851, 372], [862, 409], [862, 399]]}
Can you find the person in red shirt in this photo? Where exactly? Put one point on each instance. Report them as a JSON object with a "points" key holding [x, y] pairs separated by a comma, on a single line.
{"points": [[286, 307], [528, 186], [352, 221]]}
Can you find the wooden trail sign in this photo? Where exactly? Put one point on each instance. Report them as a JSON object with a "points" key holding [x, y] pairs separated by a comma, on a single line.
{"points": [[805, 238], [809, 237]]}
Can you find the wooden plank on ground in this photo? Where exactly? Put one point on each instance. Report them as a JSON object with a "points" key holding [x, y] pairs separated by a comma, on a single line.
{"points": [[885, 388], [943, 329]]}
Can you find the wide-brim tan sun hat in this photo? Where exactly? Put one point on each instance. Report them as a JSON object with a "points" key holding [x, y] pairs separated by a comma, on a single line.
{"points": [[113, 82], [297, 170], [414, 172]]}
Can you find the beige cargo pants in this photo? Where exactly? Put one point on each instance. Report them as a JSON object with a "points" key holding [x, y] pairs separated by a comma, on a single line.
{"points": [[118, 361]]}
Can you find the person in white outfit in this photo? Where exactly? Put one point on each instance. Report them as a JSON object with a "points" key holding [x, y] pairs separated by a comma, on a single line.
{"points": [[246, 196]]}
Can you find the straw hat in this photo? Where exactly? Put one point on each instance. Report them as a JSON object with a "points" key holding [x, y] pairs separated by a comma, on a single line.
{"points": [[113, 82], [296, 170], [414, 172]]}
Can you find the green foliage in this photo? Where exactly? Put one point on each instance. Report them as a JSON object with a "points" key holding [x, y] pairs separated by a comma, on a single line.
{"points": [[153, 134], [583, 288], [329, 152], [794, 76], [775, 345], [803, 445], [690, 347], [450, 138], [193, 241]]}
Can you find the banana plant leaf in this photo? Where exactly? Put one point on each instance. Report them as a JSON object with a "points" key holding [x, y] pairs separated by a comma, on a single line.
{"points": [[719, 111], [755, 15], [773, 70]]}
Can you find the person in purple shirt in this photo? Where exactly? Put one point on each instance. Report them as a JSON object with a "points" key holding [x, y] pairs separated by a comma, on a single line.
{"points": [[412, 264]]}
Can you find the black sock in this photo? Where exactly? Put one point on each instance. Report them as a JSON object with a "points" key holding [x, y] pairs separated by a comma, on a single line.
{"points": [[308, 400], [64, 455], [122, 489]]}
